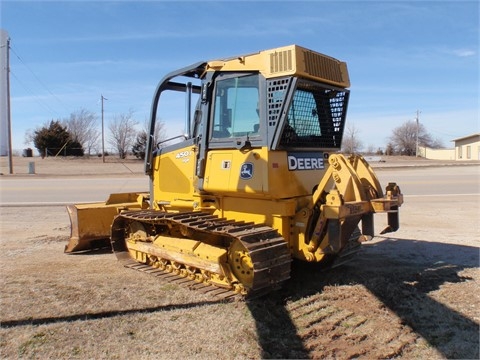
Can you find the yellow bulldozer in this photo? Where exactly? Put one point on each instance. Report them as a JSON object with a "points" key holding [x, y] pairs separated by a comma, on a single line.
{"points": [[256, 181]]}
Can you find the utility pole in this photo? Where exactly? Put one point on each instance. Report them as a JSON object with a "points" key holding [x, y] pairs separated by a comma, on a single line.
{"points": [[6, 121], [103, 132], [9, 116], [416, 140]]}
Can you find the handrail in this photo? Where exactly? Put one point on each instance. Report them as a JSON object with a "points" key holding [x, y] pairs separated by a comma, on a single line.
{"points": [[173, 138]]}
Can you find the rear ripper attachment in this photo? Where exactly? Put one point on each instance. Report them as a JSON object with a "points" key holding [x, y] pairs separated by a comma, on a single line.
{"points": [[227, 257]]}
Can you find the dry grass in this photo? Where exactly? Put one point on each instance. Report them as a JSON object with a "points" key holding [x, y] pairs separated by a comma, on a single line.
{"points": [[72, 166]]}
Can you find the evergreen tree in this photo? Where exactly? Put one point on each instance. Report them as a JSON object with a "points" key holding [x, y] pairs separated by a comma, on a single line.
{"points": [[54, 139], [138, 148]]}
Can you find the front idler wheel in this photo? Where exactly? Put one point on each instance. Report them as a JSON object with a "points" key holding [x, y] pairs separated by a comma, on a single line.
{"points": [[241, 263]]}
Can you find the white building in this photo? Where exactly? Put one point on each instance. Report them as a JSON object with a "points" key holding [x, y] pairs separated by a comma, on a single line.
{"points": [[436, 154], [467, 147]]}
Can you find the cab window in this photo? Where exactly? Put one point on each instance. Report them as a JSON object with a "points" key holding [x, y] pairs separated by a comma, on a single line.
{"points": [[236, 112], [315, 118]]}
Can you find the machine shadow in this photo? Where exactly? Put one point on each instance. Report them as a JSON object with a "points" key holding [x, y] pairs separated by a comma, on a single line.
{"points": [[102, 314], [277, 334], [402, 285]]}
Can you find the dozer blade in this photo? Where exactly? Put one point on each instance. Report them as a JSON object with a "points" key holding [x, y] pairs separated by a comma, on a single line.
{"points": [[90, 223]]}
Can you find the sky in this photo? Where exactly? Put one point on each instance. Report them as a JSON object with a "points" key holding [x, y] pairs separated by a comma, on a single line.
{"points": [[402, 56]]}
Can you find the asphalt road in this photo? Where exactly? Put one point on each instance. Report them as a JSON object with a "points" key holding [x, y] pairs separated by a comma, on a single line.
{"points": [[26, 191], [413, 181], [430, 181]]}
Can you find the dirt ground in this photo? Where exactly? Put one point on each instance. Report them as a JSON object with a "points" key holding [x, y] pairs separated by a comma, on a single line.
{"points": [[411, 295]]}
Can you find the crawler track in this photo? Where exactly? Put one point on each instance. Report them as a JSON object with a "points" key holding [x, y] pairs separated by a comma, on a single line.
{"points": [[267, 252]]}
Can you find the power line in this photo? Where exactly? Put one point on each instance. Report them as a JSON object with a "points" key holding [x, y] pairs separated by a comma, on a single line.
{"points": [[39, 80], [41, 103]]}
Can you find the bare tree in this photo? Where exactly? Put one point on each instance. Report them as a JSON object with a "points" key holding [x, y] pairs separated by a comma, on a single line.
{"points": [[404, 138], [389, 150], [82, 126], [122, 133], [29, 137], [351, 144], [160, 134], [371, 149]]}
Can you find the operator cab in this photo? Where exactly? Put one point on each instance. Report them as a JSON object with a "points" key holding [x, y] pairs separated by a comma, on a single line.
{"points": [[287, 99], [285, 113]]}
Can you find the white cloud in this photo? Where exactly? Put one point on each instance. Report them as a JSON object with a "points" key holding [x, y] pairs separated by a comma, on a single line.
{"points": [[464, 52]]}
